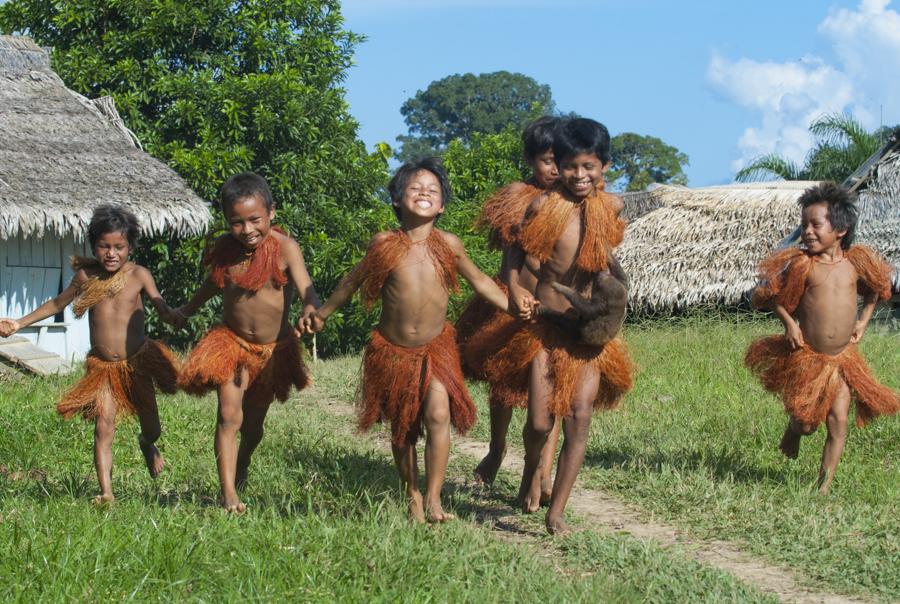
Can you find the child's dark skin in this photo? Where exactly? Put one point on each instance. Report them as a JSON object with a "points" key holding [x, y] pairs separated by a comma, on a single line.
{"points": [[580, 176], [117, 332], [544, 173], [260, 318], [827, 322], [413, 312]]}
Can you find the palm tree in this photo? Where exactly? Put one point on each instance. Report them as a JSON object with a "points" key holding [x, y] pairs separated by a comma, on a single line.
{"points": [[842, 145]]}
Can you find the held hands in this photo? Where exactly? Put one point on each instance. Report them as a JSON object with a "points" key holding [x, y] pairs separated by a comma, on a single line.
{"points": [[522, 304], [310, 322], [794, 335], [859, 328], [8, 327]]}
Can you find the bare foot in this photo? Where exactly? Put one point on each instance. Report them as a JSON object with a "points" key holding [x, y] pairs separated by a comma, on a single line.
{"points": [[530, 492], [486, 472], [240, 476], [557, 526], [152, 457], [103, 501], [435, 513], [790, 443], [233, 505], [824, 482], [416, 508]]}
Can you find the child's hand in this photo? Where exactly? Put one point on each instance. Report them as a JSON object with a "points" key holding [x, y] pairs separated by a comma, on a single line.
{"points": [[177, 318], [794, 335], [8, 327], [521, 303], [858, 330]]}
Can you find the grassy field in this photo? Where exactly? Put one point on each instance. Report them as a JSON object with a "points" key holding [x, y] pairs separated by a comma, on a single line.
{"points": [[693, 444]]}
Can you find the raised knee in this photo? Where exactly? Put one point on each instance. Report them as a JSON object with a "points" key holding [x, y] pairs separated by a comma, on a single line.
{"points": [[837, 424], [541, 426], [437, 415]]}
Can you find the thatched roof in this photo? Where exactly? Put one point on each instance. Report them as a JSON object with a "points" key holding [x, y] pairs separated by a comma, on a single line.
{"points": [[879, 201], [62, 155], [702, 246]]}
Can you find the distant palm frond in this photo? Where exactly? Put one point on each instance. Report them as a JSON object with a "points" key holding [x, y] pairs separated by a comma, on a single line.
{"points": [[766, 166]]}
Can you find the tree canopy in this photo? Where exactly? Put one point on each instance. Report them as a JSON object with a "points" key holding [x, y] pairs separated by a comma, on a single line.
{"points": [[215, 87], [460, 105], [842, 145], [638, 161]]}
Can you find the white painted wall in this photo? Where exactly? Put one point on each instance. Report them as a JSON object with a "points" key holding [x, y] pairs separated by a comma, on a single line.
{"points": [[33, 270]]}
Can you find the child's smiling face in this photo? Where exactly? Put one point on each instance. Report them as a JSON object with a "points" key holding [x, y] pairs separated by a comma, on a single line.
{"points": [[249, 220], [111, 250], [422, 196], [582, 173], [818, 233]]}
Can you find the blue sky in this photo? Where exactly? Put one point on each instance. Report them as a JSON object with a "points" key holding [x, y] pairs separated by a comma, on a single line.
{"points": [[723, 81]]}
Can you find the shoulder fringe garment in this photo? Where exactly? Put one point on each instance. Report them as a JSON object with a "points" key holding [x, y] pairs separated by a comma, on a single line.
{"points": [[97, 287], [129, 383], [603, 229], [221, 355], [803, 377], [502, 213], [263, 265], [396, 378]]}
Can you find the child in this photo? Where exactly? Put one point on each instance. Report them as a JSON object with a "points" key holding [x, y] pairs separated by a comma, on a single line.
{"points": [[411, 367], [123, 365], [815, 365], [481, 328], [570, 230], [254, 356]]}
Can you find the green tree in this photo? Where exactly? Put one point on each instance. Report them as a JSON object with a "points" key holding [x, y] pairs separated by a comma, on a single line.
{"points": [[215, 87], [638, 161], [458, 106], [842, 145]]}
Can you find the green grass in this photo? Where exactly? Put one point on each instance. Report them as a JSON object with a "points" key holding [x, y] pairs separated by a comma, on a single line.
{"points": [[326, 520]]}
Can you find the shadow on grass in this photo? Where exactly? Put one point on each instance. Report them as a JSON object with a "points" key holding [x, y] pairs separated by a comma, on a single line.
{"points": [[723, 464]]}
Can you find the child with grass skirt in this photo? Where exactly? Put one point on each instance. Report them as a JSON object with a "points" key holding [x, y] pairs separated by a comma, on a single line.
{"points": [[411, 367], [254, 356], [482, 329], [815, 366], [123, 366], [571, 230]]}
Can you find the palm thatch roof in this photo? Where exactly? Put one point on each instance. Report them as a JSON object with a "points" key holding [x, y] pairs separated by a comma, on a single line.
{"points": [[702, 246], [63, 155], [878, 187]]}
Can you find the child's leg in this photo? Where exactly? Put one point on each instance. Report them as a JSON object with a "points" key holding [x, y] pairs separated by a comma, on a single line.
{"points": [[790, 440], [486, 471], [837, 435], [229, 420], [408, 469], [548, 456], [538, 426], [104, 432], [251, 435], [576, 428], [436, 414], [148, 415]]}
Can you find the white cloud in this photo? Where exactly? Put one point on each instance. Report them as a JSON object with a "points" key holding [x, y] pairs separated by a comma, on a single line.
{"points": [[790, 95]]}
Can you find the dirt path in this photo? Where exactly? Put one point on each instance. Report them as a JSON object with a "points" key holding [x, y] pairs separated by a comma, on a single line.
{"points": [[603, 511]]}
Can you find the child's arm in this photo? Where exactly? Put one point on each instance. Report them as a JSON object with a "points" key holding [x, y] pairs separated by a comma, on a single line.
{"points": [[482, 284], [200, 297], [791, 327], [865, 314], [314, 319], [520, 299], [49, 308], [166, 313], [293, 257]]}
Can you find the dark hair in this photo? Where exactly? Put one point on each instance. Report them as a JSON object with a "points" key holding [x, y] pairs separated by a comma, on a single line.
{"points": [[401, 178], [245, 184], [113, 219], [842, 210], [537, 136], [580, 135]]}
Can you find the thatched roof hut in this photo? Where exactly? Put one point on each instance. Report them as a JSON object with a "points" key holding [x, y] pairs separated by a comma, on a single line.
{"points": [[877, 183], [701, 246], [61, 156]]}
